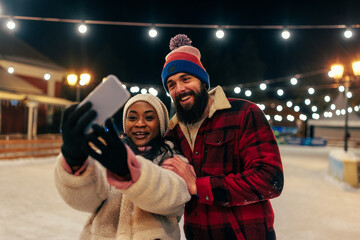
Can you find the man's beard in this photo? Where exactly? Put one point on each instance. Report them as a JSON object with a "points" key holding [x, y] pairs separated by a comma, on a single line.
{"points": [[193, 114]]}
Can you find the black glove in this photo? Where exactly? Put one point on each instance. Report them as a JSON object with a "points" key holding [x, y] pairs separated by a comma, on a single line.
{"points": [[113, 155], [73, 126]]}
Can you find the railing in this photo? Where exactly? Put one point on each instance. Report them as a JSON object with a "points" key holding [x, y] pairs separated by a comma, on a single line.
{"points": [[340, 143], [15, 146]]}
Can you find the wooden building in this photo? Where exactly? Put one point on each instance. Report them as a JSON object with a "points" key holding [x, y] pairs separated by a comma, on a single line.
{"points": [[29, 104]]}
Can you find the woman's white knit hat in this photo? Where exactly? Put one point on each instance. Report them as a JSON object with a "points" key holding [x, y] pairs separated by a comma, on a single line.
{"points": [[159, 106]]}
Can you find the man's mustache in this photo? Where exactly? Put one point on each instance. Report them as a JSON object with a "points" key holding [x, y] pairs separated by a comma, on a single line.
{"points": [[189, 93]]}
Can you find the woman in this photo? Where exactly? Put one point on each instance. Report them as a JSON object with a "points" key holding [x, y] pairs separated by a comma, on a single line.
{"points": [[129, 196]]}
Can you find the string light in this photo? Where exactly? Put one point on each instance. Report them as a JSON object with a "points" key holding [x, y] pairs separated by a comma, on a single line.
{"points": [[47, 76], [278, 118], [303, 117], [134, 89], [348, 33], [237, 89], [293, 81], [11, 70], [262, 86], [311, 91], [315, 116], [10, 24], [82, 28], [285, 34], [153, 32], [153, 91], [262, 106], [331, 74], [327, 98], [290, 118], [220, 33]]}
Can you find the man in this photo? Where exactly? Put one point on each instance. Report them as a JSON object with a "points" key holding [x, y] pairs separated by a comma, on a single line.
{"points": [[236, 165]]}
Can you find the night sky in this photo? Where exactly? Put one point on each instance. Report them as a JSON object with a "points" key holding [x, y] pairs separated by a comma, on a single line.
{"points": [[242, 56]]}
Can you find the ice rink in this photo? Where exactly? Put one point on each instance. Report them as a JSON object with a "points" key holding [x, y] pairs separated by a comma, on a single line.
{"points": [[313, 204]]}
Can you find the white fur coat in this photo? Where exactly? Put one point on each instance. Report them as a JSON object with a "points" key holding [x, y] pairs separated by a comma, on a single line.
{"points": [[149, 209]]}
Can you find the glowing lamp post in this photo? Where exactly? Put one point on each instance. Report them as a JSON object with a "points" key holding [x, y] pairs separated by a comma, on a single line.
{"points": [[72, 80], [337, 71]]}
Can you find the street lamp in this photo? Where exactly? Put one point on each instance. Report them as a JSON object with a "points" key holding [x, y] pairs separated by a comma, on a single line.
{"points": [[337, 71], [72, 80]]}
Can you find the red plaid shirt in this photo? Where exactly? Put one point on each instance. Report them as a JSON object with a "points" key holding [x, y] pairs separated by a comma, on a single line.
{"points": [[238, 168]]}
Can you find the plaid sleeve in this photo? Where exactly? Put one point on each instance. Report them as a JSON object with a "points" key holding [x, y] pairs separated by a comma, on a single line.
{"points": [[262, 175]]}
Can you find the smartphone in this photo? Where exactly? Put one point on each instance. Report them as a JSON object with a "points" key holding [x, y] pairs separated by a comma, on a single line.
{"points": [[107, 98]]}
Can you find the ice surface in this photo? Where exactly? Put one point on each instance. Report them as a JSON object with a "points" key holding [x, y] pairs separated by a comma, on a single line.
{"points": [[313, 205]]}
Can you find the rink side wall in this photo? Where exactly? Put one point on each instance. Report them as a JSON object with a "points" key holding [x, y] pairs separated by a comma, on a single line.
{"points": [[345, 166]]}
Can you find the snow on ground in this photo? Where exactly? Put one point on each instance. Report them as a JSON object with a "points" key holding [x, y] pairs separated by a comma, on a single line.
{"points": [[313, 204], [30, 205]]}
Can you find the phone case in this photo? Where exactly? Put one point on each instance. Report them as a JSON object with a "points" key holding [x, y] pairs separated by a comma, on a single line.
{"points": [[107, 98]]}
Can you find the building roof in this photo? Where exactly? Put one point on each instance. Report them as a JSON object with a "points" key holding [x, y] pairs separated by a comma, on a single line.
{"points": [[15, 88], [14, 84], [14, 49]]}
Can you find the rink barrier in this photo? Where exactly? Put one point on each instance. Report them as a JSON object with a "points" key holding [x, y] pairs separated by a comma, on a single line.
{"points": [[345, 166], [23, 148], [306, 141]]}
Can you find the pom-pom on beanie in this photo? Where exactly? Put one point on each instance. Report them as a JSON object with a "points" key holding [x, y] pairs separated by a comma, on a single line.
{"points": [[159, 106], [183, 58]]}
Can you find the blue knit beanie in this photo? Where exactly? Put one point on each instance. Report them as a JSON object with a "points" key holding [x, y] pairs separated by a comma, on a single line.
{"points": [[183, 58]]}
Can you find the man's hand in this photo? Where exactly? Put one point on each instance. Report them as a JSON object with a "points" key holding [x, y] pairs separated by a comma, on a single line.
{"points": [[184, 170]]}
